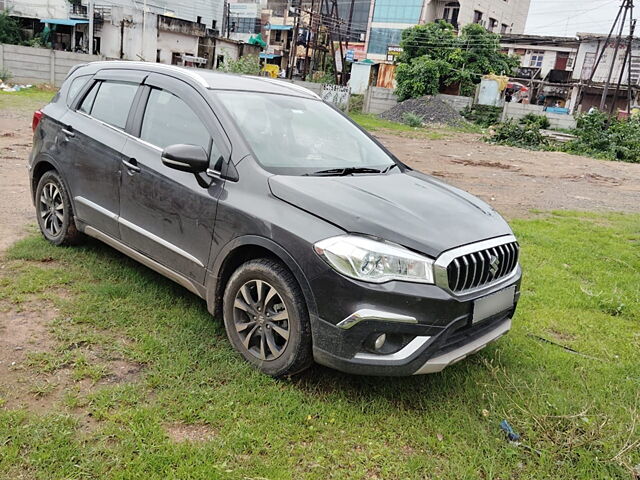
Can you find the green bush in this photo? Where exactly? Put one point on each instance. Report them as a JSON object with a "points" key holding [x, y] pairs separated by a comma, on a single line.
{"points": [[356, 103], [412, 120], [515, 135], [601, 137], [535, 121], [418, 78], [5, 75], [247, 65], [483, 115]]}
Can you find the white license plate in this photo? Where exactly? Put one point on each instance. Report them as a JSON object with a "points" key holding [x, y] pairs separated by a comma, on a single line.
{"points": [[493, 304]]}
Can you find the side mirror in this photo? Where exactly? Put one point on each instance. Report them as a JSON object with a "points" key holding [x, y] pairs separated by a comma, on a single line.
{"points": [[186, 158]]}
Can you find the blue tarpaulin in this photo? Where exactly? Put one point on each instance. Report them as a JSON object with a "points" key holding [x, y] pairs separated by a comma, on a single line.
{"points": [[269, 56], [278, 27], [63, 21]]}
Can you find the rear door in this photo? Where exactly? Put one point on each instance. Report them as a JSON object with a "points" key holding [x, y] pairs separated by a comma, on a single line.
{"points": [[93, 139], [165, 213]]}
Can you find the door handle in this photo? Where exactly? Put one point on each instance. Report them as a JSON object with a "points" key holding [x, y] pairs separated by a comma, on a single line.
{"points": [[132, 165], [68, 132]]}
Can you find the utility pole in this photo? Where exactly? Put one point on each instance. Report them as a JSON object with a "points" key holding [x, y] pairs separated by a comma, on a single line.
{"points": [[309, 33], [603, 101], [627, 55], [294, 42], [351, 8], [144, 29], [90, 27]]}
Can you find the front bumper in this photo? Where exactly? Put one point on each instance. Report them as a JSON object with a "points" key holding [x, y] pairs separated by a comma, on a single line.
{"points": [[441, 333]]}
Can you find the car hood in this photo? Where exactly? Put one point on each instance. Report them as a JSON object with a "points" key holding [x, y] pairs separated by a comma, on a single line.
{"points": [[410, 209]]}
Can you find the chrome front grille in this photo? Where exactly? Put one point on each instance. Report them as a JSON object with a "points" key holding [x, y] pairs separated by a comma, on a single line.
{"points": [[477, 269]]}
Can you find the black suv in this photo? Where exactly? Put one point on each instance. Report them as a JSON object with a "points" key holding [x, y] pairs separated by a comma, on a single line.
{"points": [[308, 237]]}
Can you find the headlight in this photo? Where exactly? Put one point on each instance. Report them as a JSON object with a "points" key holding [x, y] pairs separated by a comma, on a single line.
{"points": [[366, 259]]}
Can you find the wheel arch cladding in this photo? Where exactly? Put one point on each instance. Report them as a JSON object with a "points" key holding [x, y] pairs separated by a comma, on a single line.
{"points": [[241, 250]]}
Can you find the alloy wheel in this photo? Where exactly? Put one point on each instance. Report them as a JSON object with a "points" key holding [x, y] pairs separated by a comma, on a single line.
{"points": [[51, 209], [261, 319]]}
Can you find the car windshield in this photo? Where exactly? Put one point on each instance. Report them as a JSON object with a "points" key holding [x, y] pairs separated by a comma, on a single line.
{"points": [[300, 136]]}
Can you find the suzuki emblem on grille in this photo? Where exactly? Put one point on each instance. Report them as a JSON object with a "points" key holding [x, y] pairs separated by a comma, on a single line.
{"points": [[494, 265]]}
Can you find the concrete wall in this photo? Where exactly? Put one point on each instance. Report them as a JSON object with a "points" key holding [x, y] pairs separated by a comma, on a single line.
{"points": [[515, 111], [135, 45], [455, 101], [378, 100], [314, 87], [40, 65], [38, 8], [171, 42]]}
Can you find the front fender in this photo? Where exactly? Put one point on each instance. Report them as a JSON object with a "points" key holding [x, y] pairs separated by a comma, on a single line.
{"points": [[214, 295]]}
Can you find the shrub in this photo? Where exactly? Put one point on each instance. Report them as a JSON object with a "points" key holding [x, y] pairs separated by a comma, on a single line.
{"points": [[535, 121], [356, 103], [411, 119], [601, 137], [483, 115], [247, 65], [515, 135], [5, 75]]}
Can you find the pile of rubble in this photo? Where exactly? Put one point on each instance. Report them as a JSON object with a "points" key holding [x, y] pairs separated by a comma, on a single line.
{"points": [[428, 108]]}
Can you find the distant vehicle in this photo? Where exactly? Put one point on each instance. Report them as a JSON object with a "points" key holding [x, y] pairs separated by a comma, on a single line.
{"points": [[301, 231]]}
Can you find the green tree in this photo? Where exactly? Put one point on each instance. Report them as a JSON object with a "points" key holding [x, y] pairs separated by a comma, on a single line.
{"points": [[247, 65], [434, 57], [9, 29]]}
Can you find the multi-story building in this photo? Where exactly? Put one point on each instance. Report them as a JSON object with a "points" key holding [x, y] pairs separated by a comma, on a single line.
{"points": [[388, 18], [243, 19], [546, 66], [589, 84]]}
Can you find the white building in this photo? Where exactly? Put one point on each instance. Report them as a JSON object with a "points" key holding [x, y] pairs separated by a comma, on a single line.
{"points": [[589, 84], [244, 20], [388, 18]]}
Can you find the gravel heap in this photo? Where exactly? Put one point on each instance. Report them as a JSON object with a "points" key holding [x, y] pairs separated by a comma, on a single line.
{"points": [[428, 108]]}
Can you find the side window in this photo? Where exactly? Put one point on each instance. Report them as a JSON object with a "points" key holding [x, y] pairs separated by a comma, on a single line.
{"points": [[110, 102], [168, 120], [75, 87]]}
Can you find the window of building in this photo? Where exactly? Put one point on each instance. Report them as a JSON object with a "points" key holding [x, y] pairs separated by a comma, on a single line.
{"points": [[493, 23], [451, 13], [635, 69], [169, 121], [477, 16], [110, 102], [278, 36], [537, 56], [503, 28], [587, 65], [394, 11], [381, 38]]}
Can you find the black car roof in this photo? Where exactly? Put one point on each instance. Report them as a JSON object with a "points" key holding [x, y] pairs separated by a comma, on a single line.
{"points": [[209, 79]]}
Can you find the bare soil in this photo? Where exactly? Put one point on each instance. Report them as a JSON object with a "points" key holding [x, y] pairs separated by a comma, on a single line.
{"points": [[517, 181]]}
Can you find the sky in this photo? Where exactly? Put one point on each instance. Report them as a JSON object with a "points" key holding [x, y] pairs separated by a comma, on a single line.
{"points": [[566, 17]]}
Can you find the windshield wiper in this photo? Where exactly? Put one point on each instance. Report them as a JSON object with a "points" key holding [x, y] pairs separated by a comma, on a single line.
{"points": [[339, 172], [390, 167]]}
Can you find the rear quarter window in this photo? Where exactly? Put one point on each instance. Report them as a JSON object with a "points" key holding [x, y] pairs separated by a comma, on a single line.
{"points": [[110, 102], [75, 87]]}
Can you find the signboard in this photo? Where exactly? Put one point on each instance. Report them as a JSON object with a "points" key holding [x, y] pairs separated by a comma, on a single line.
{"points": [[393, 52], [338, 95], [350, 56]]}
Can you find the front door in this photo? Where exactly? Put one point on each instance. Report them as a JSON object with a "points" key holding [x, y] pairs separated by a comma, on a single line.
{"points": [[164, 213], [93, 139]]}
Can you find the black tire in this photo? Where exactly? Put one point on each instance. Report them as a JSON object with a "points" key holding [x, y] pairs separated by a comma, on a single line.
{"points": [[267, 347], [54, 211]]}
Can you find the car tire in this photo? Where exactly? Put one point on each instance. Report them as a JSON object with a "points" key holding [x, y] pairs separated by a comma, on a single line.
{"points": [[54, 212], [266, 318]]}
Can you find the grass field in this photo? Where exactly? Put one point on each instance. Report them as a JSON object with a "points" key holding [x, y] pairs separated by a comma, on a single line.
{"points": [[567, 378]]}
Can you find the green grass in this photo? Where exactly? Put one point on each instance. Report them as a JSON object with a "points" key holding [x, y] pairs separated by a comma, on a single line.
{"points": [[27, 100], [578, 413], [374, 123]]}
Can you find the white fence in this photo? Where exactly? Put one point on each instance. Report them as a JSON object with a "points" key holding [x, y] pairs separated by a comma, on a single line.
{"points": [[515, 111], [40, 65]]}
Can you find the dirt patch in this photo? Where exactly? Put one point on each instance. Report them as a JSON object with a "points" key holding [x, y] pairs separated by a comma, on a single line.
{"points": [[517, 181], [181, 433], [15, 145]]}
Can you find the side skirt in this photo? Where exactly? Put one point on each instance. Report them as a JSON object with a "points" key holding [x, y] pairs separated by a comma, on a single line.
{"points": [[146, 261]]}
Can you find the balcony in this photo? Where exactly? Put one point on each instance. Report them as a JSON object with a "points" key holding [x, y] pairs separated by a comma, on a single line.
{"points": [[77, 10]]}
